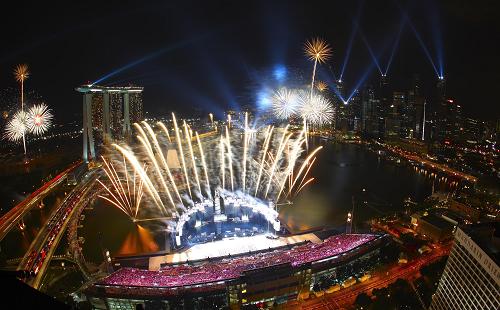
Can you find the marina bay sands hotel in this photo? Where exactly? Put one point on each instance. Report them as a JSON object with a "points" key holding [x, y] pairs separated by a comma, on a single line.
{"points": [[107, 114]]}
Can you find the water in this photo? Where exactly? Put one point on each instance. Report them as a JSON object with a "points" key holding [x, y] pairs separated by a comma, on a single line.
{"points": [[341, 171]]}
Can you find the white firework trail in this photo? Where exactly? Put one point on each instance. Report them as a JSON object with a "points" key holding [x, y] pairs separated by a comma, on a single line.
{"points": [[266, 165]]}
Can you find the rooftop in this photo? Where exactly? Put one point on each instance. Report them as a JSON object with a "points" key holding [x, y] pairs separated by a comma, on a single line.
{"points": [[102, 89], [232, 268], [436, 221], [487, 237]]}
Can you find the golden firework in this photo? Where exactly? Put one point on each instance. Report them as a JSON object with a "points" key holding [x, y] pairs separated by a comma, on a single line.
{"points": [[21, 72], [321, 86], [318, 50]]}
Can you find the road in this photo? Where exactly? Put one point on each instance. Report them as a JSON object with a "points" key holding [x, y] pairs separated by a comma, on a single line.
{"points": [[11, 218], [430, 164], [345, 297], [38, 257]]}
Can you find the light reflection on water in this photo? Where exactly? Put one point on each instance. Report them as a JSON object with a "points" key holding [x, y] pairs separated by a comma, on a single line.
{"points": [[138, 240]]}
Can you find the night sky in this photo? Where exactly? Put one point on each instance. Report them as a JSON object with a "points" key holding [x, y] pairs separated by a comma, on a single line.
{"points": [[218, 54]]}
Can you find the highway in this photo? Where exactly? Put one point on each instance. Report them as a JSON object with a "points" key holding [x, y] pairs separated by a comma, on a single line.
{"points": [[430, 164], [11, 218], [346, 297], [38, 257]]}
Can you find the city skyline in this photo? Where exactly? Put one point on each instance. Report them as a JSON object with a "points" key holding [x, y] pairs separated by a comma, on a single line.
{"points": [[171, 60], [250, 155]]}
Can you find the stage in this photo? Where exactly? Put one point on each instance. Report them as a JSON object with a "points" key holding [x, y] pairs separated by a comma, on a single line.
{"points": [[226, 246]]}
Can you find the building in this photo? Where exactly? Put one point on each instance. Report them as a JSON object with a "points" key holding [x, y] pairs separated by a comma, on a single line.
{"points": [[108, 113], [471, 278], [465, 209], [383, 94], [369, 113], [269, 276], [473, 131], [393, 115], [355, 111], [432, 226]]}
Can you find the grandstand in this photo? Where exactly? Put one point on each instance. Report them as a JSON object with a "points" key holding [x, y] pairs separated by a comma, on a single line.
{"points": [[230, 247], [280, 272]]}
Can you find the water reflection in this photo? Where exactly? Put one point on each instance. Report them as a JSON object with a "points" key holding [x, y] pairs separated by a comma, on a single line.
{"points": [[138, 240]]}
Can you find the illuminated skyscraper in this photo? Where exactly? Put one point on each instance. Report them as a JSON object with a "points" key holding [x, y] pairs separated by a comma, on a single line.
{"points": [[369, 113], [355, 110], [471, 278], [393, 113], [384, 96], [438, 110], [107, 114], [136, 107]]}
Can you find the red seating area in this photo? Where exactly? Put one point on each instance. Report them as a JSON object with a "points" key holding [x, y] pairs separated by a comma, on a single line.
{"points": [[232, 268]]}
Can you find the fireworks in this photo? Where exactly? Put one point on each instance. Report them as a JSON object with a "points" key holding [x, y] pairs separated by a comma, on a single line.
{"points": [[16, 127], [21, 73], [38, 119], [321, 86], [261, 164], [285, 103], [317, 50], [316, 110]]}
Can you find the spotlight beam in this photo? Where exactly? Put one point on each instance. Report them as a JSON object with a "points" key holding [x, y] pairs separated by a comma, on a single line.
{"points": [[351, 40], [394, 47], [360, 81], [370, 50], [153, 55], [421, 42]]}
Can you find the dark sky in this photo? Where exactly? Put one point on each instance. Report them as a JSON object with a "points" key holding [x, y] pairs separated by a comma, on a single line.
{"points": [[215, 54]]}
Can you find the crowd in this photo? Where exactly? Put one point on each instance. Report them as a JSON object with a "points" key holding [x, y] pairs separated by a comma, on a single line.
{"points": [[231, 268]]}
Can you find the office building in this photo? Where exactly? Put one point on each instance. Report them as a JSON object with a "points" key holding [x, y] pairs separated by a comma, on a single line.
{"points": [[471, 278]]}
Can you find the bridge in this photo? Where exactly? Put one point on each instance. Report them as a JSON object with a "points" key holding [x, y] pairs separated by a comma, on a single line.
{"points": [[11, 218], [42, 249]]}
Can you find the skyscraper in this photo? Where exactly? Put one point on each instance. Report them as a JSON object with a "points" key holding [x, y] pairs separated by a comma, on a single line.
{"points": [[415, 104], [407, 116], [107, 114], [355, 108], [471, 278], [438, 111], [393, 115], [384, 96], [369, 113]]}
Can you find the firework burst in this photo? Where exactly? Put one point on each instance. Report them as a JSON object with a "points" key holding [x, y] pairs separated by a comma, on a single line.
{"points": [[316, 110], [39, 119], [317, 50], [285, 103], [321, 86], [16, 127], [21, 73]]}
